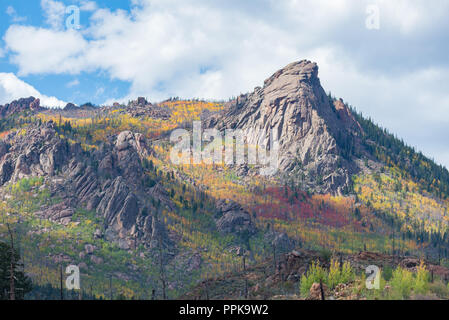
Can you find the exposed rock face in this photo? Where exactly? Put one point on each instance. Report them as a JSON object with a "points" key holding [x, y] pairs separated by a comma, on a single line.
{"points": [[18, 106], [70, 107], [293, 106], [118, 205], [114, 190], [346, 117], [280, 241], [148, 110], [61, 212], [37, 152], [129, 149], [233, 218]]}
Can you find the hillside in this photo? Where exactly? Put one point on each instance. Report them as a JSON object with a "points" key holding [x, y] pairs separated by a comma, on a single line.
{"points": [[95, 187]]}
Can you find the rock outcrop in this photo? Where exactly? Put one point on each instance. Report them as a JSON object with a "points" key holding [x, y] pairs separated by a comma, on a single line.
{"points": [[280, 241], [34, 151], [232, 218], [108, 181], [311, 131], [18, 106]]}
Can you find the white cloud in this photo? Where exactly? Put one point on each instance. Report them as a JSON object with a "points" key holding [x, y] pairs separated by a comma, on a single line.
{"points": [[73, 83], [164, 47], [43, 51], [218, 49], [88, 5], [10, 11], [12, 88], [54, 12]]}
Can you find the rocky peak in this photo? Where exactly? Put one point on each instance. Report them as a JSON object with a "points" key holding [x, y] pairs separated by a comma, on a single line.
{"points": [[297, 71], [20, 105], [70, 107], [293, 106]]}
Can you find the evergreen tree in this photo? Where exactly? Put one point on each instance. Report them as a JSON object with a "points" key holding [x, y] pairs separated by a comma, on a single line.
{"points": [[22, 283]]}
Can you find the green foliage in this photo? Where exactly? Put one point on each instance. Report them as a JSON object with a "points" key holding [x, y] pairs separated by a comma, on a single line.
{"points": [[391, 150], [421, 285], [22, 283], [26, 184], [439, 289], [387, 273], [314, 274], [326, 254], [402, 283], [339, 274]]}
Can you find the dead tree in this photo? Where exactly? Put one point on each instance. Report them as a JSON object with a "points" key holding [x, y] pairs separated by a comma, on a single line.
{"points": [[206, 289], [110, 287], [61, 288], [322, 290], [162, 269], [12, 266], [153, 294]]}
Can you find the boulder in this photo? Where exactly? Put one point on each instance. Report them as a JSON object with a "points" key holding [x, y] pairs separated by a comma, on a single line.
{"points": [[89, 248], [315, 292]]}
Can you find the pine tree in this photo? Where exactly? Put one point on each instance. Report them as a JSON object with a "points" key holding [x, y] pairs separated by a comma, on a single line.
{"points": [[22, 284]]}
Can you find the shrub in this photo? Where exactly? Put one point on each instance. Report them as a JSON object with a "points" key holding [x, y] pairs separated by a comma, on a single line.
{"points": [[314, 274], [401, 284], [387, 273], [439, 289], [326, 254], [26, 184], [421, 285], [339, 274]]}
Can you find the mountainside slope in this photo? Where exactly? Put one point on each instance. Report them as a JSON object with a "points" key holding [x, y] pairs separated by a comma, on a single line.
{"points": [[94, 186]]}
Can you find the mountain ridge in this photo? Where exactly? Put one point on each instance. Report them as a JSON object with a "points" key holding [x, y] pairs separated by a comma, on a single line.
{"points": [[309, 126], [101, 176]]}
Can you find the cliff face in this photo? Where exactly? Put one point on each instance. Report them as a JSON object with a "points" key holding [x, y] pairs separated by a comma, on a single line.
{"points": [[18, 106], [108, 180], [309, 127]]}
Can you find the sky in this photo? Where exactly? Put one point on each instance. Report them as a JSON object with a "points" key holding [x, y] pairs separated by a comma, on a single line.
{"points": [[389, 59]]}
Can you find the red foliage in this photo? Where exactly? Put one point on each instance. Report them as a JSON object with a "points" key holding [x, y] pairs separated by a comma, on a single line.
{"points": [[286, 204]]}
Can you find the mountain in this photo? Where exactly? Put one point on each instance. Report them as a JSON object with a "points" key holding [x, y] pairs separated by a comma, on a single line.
{"points": [[309, 126], [108, 180], [95, 187], [19, 106]]}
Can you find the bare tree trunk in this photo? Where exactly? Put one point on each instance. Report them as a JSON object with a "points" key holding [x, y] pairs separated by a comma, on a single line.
{"points": [[110, 287], [322, 290], [12, 289], [207, 289], [61, 288], [161, 270]]}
